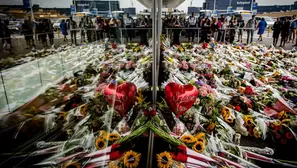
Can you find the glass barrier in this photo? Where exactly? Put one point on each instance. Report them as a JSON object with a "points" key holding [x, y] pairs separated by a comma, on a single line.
{"points": [[68, 96]]}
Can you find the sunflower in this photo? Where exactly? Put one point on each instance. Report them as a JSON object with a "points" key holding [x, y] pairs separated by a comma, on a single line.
{"points": [[229, 119], [248, 120], [71, 164], [113, 137], [113, 164], [187, 139], [132, 159], [256, 133], [225, 112], [83, 110], [282, 115], [103, 135], [62, 115], [211, 126], [202, 140], [164, 160], [198, 146], [100, 143], [200, 135], [240, 89]]}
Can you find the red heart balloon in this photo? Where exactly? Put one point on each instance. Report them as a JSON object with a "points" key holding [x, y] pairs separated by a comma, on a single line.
{"points": [[180, 98], [121, 97]]}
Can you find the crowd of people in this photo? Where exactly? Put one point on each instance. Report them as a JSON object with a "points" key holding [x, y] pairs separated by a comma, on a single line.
{"points": [[205, 29]]}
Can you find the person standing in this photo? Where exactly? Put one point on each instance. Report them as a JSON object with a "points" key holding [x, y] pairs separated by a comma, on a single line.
{"points": [[214, 28], [28, 33], [261, 26], [50, 32], [250, 29], [176, 32], [89, 26], [72, 27], [6, 36], [240, 25], [82, 27], [43, 27], [293, 28], [205, 31], [192, 24], [285, 32], [144, 23], [276, 31], [63, 27], [128, 22], [232, 29], [99, 27]]}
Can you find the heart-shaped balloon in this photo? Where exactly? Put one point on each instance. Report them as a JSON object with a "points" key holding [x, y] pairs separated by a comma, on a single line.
{"points": [[180, 98], [121, 97]]}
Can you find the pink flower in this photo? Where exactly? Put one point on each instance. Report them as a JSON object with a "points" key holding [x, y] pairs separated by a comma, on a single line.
{"points": [[130, 62], [192, 66], [203, 92], [128, 66], [180, 66], [185, 66], [122, 66], [184, 62]]}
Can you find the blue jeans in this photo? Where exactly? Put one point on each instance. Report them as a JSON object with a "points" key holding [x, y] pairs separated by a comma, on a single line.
{"points": [[250, 34]]}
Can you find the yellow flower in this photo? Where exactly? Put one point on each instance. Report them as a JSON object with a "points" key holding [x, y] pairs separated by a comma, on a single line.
{"points": [[103, 135], [198, 147], [229, 119], [187, 139], [72, 164], [202, 140], [113, 137], [100, 143], [113, 164], [132, 159], [248, 120], [225, 112], [83, 109], [286, 120], [164, 160], [200, 135], [62, 115], [241, 89], [276, 73], [139, 97], [256, 133], [211, 126], [282, 115]]}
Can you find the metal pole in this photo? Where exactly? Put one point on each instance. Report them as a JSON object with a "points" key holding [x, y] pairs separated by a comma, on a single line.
{"points": [[230, 2], [39, 72], [166, 32], [198, 36], [121, 35], [214, 5], [5, 92], [32, 17], [252, 4], [109, 6]]}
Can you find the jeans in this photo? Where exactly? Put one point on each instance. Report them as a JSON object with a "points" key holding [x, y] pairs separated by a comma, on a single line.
{"points": [[73, 36], [250, 35]]}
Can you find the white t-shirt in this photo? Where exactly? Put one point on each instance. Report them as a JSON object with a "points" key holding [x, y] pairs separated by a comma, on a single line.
{"points": [[192, 21]]}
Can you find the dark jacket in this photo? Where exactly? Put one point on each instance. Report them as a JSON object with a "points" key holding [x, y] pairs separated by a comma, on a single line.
{"points": [[277, 27]]}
